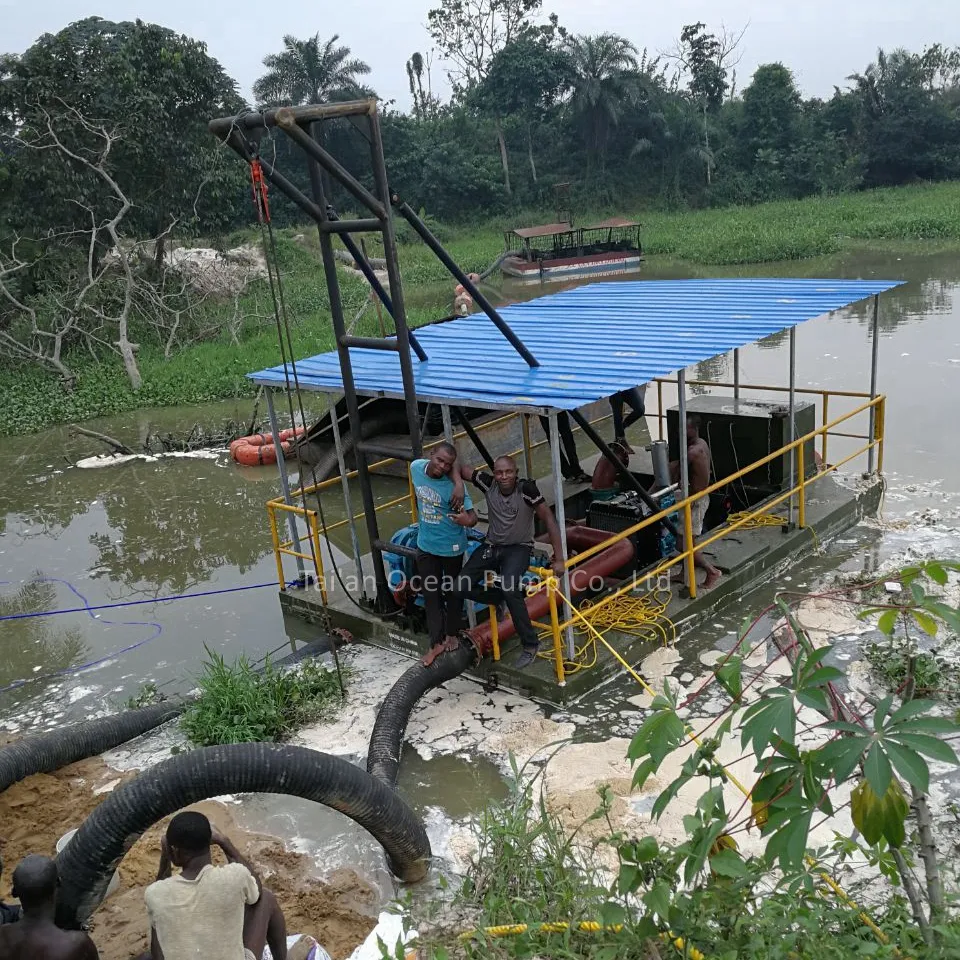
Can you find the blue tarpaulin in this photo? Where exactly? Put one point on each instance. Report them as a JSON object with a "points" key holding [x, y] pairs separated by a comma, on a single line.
{"points": [[591, 341]]}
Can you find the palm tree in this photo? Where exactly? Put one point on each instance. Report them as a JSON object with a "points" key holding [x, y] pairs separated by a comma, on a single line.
{"points": [[308, 71], [604, 77]]}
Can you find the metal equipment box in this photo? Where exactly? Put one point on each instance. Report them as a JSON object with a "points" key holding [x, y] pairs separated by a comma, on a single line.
{"points": [[740, 432], [626, 510]]}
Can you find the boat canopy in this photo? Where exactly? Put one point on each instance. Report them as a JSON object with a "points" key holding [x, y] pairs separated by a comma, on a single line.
{"points": [[590, 341], [545, 230]]}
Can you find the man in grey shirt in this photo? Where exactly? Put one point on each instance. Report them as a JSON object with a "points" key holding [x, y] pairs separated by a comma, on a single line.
{"points": [[512, 505]]}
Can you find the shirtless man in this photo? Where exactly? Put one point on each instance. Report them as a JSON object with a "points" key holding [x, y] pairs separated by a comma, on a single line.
{"points": [[698, 476], [36, 936]]}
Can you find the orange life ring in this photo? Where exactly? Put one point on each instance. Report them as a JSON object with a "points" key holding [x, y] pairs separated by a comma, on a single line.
{"points": [[259, 448]]}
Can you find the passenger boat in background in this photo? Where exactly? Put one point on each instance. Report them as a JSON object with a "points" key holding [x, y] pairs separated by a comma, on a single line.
{"points": [[560, 251]]}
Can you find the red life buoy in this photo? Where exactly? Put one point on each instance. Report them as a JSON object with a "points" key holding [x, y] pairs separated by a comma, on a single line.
{"points": [[259, 448]]}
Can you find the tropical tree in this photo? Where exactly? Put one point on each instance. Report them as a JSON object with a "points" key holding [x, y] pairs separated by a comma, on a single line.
{"points": [[605, 83], [308, 71]]}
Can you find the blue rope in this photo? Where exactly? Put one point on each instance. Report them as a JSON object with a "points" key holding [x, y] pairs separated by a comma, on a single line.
{"points": [[89, 609]]}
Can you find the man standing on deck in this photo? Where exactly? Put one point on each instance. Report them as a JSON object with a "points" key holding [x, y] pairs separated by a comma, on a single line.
{"points": [[441, 545], [208, 912], [512, 504], [635, 398], [698, 478], [36, 936]]}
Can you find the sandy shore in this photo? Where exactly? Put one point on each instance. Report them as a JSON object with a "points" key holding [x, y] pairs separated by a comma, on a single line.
{"points": [[34, 813]]}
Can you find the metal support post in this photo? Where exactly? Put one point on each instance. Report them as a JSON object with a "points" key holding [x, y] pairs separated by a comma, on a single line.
{"points": [[447, 423], [384, 597], [431, 241], [736, 374], [792, 414], [560, 514], [347, 501], [691, 571], [874, 358], [527, 451], [396, 287], [478, 444], [285, 483]]}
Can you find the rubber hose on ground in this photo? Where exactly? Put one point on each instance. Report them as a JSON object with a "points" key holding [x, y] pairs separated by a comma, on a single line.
{"points": [[45, 752], [88, 862], [386, 741]]}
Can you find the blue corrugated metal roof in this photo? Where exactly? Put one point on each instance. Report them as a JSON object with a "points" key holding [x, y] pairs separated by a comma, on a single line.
{"points": [[591, 341]]}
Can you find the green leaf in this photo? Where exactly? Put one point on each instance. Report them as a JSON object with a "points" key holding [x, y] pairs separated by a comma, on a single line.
{"points": [[925, 622], [910, 709], [876, 768], [936, 573], [909, 764], [628, 878], [729, 863], [887, 621], [612, 914], [949, 615], [822, 676], [657, 900], [932, 747], [658, 736], [731, 678], [877, 817], [647, 849]]}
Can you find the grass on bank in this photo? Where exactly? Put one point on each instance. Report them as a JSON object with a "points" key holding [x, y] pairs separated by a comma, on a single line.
{"points": [[238, 704], [216, 370], [530, 868]]}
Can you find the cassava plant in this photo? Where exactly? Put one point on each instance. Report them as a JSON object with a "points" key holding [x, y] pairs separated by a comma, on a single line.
{"points": [[878, 754]]}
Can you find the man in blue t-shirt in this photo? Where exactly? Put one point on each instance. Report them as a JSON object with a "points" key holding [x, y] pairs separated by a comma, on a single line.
{"points": [[441, 545]]}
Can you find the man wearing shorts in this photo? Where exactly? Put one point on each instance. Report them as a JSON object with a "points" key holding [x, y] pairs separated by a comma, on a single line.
{"points": [[214, 913], [698, 477]]}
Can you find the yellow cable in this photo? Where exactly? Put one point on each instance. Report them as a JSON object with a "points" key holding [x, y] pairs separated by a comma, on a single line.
{"points": [[584, 926], [751, 521]]}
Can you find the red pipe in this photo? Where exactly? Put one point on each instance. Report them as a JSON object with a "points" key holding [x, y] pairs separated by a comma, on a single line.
{"points": [[617, 555]]}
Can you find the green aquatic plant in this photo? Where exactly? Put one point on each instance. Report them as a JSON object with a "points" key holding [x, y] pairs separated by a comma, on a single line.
{"points": [[240, 704]]}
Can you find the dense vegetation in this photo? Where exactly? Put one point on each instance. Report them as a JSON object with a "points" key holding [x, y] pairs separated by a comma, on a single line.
{"points": [[107, 170]]}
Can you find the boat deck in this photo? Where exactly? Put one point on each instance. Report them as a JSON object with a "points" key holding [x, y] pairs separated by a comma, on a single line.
{"points": [[747, 558]]}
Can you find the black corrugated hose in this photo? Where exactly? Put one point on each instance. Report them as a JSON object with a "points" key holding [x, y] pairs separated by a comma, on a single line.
{"points": [[386, 741], [45, 752], [87, 863]]}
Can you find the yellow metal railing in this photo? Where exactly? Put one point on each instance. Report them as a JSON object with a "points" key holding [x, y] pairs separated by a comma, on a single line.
{"points": [[684, 507], [279, 503], [285, 548], [686, 555]]}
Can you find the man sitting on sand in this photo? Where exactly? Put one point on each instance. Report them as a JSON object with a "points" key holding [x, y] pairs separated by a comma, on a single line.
{"points": [[36, 936], [208, 912]]}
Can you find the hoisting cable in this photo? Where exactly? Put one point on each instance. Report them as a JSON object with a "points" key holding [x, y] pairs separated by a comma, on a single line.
{"points": [[261, 202]]}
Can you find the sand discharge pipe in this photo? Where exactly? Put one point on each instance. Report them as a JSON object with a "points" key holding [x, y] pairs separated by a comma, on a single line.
{"points": [[88, 861]]}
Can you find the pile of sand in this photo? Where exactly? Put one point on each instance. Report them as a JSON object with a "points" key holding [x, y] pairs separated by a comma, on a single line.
{"points": [[36, 812]]}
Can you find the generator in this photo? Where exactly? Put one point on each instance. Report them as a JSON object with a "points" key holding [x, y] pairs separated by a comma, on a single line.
{"points": [[742, 431], [627, 510]]}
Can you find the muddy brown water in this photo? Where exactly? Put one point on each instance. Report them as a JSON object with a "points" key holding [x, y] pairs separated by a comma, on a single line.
{"points": [[150, 531]]}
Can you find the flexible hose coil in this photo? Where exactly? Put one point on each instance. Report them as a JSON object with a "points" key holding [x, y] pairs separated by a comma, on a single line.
{"points": [[88, 861]]}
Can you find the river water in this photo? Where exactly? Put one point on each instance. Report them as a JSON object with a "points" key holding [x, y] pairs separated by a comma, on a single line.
{"points": [[153, 530]]}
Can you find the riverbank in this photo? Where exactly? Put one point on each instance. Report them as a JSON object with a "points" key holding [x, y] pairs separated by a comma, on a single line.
{"points": [[909, 220]]}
